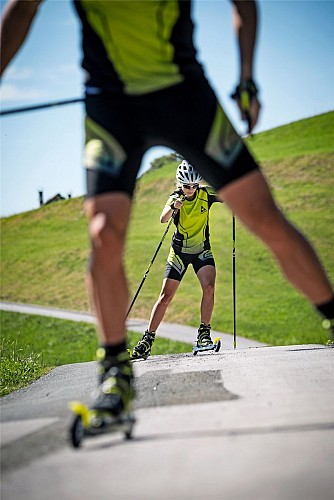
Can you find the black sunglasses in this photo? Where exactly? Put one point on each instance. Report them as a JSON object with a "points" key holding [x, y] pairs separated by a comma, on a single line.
{"points": [[190, 186]]}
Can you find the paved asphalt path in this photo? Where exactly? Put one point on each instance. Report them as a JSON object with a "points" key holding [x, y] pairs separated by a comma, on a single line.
{"points": [[168, 330], [246, 424]]}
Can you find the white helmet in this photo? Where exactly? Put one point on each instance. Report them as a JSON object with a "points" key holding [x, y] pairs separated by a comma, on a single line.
{"points": [[186, 174]]}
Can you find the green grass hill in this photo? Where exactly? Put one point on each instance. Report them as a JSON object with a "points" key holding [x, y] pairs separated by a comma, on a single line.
{"points": [[44, 252]]}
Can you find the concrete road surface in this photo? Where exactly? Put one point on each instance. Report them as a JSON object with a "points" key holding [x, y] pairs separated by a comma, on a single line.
{"points": [[245, 424]]}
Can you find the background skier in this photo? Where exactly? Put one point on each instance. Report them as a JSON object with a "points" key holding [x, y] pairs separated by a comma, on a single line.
{"points": [[190, 204]]}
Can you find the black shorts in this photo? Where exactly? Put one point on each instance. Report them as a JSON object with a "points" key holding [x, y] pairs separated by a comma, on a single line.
{"points": [[186, 118], [178, 262]]}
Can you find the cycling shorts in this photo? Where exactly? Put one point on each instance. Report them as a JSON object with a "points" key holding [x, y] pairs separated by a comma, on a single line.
{"points": [[186, 117], [178, 262]]}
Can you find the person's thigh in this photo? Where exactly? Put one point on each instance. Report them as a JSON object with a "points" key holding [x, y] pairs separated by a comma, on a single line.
{"points": [[250, 199], [169, 287], [189, 119], [207, 276], [108, 216], [176, 266], [113, 148]]}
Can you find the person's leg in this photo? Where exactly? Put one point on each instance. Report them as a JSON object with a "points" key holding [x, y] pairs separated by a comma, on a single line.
{"points": [[250, 200], [217, 152], [207, 277], [168, 290], [143, 347], [113, 155], [108, 216], [176, 266]]}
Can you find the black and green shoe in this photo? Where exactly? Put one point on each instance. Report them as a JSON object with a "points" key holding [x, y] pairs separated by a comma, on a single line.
{"points": [[203, 337], [143, 349], [116, 389]]}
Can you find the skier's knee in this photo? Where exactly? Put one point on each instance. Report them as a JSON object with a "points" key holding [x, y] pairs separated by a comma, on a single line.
{"points": [[209, 289], [165, 298], [104, 233]]}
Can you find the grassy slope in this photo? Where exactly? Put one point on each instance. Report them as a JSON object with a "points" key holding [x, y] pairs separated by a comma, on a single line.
{"points": [[305, 137], [32, 345], [44, 251]]}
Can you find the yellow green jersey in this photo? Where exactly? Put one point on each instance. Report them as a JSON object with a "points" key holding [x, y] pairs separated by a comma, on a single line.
{"points": [[137, 46], [192, 234]]}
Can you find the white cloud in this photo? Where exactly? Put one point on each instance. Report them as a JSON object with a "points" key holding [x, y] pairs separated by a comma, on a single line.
{"points": [[13, 73], [9, 92], [17, 74], [58, 73]]}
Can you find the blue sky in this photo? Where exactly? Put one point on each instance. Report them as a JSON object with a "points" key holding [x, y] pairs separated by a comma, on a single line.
{"points": [[43, 149]]}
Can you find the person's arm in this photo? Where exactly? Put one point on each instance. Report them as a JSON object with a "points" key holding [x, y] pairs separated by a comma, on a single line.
{"points": [[15, 24], [213, 196], [169, 209], [245, 25]]}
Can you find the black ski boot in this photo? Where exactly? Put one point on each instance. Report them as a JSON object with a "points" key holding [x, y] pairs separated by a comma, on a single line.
{"points": [[143, 349], [116, 389], [203, 337]]}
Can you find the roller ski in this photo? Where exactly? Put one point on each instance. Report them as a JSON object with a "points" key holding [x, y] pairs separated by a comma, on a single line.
{"points": [[143, 349], [204, 341], [111, 412], [90, 423]]}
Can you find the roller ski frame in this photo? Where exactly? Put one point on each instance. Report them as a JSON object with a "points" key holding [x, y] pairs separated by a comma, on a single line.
{"points": [[211, 347], [90, 423], [137, 358]]}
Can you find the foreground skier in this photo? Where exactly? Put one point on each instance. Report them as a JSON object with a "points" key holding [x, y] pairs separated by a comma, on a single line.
{"points": [[147, 88]]}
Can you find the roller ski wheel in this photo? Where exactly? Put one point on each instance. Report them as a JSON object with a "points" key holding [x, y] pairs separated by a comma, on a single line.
{"points": [[90, 423], [210, 347], [76, 432]]}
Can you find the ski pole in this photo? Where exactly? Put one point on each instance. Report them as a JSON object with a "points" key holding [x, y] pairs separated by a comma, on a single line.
{"points": [[233, 284], [151, 263], [40, 106]]}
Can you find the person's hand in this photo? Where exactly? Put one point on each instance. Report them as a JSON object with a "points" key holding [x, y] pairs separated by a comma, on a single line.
{"points": [[246, 98], [178, 203]]}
